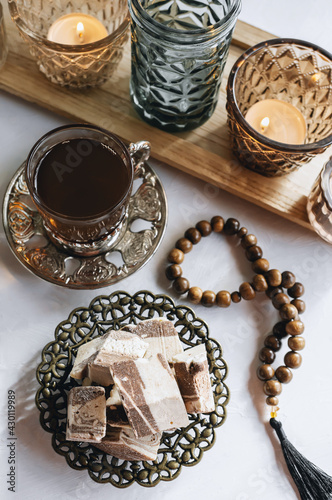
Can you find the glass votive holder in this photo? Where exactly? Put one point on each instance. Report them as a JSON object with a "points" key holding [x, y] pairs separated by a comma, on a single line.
{"points": [[3, 39], [319, 204], [74, 65], [293, 71], [178, 57]]}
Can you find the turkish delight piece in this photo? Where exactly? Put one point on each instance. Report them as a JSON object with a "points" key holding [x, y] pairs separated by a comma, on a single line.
{"points": [[192, 374], [161, 336], [94, 358], [85, 354], [123, 444], [124, 343], [117, 344], [86, 414], [150, 395]]}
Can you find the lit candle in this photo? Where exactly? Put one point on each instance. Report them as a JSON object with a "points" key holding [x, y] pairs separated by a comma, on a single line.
{"points": [[80, 31], [76, 29], [277, 120]]}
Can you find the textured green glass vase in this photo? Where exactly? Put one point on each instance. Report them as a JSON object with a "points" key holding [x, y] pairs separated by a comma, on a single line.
{"points": [[179, 50]]}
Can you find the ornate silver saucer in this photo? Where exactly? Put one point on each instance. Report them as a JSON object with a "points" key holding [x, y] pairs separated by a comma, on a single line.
{"points": [[29, 241]]}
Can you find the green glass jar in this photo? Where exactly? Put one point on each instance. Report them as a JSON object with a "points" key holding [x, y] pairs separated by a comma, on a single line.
{"points": [[179, 50]]}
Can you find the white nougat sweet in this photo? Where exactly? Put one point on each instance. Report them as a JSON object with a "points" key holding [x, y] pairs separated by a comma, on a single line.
{"points": [[85, 353], [117, 345], [161, 337], [95, 357]]}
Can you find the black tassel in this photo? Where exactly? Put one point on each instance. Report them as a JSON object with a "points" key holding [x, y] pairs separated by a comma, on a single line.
{"points": [[312, 482]]}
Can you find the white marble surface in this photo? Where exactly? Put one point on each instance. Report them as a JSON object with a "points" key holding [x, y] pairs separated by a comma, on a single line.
{"points": [[245, 462]]}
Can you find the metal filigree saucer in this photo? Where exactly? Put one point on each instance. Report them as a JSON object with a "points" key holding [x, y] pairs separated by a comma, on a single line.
{"points": [[184, 446], [29, 241]]}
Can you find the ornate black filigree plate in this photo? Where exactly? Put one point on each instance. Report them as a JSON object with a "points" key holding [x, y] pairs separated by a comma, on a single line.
{"points": [[30, 243], [181, 447]]}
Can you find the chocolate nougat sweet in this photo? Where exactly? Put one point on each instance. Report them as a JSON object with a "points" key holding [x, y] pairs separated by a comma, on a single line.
{"points": [[86, 414], [192, 374], [150, 395]]}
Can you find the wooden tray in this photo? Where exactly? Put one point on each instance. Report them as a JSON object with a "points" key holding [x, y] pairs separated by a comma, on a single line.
{"points": [[203, 152]]}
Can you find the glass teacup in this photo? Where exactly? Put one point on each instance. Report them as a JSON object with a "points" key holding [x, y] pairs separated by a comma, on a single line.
{"points": [[80, 178]]}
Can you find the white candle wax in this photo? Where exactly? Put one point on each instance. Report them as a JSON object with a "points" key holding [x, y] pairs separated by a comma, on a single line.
{"points": [[277, 120], [76, 29]]}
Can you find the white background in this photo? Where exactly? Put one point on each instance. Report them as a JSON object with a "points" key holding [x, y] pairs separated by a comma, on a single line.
{"points": [[245, 462]]}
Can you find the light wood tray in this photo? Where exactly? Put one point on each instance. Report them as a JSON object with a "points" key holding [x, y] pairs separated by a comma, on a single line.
{"points": [[203, 152]]}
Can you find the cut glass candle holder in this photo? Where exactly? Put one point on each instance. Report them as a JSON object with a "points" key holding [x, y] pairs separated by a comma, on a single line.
{"points": [[79, 65], [296, 72], [3, 39], [319, 205]]}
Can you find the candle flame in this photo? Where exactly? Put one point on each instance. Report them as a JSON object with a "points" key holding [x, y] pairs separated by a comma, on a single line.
{"points": [[80, 31], [265, 123]]}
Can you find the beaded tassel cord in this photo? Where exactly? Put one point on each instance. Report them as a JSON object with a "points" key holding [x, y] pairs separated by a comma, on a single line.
{"points": [[312, 483]]}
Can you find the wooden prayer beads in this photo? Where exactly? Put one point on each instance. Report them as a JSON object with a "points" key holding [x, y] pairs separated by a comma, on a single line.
{"points": [[254, 253], [279, 287]]}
